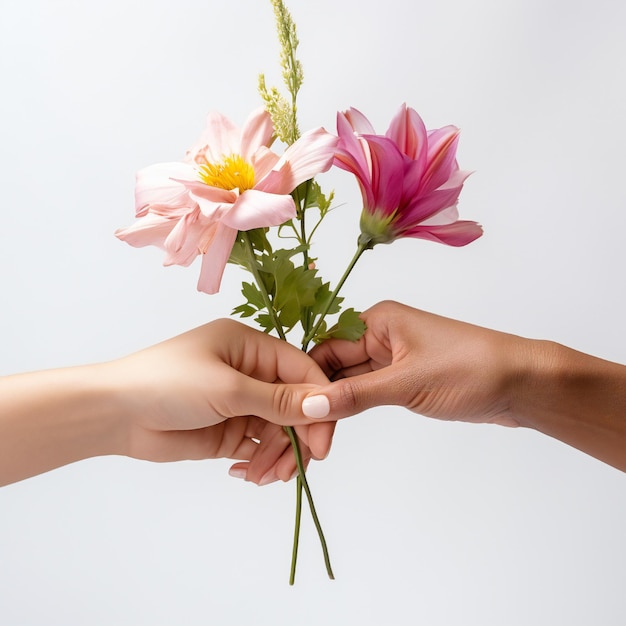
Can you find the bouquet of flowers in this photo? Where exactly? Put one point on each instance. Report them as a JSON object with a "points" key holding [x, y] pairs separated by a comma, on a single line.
{"points": [[231, 189]]}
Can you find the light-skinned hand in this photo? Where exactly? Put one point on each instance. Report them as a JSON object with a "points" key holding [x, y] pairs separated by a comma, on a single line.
{"points": [[221, 390]]}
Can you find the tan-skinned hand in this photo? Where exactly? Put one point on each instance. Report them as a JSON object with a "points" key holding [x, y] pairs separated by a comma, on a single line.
{"points": [[451, 370]]}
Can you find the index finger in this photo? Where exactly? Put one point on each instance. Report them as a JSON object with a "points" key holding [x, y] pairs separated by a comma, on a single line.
{"points": [[335, 355]]}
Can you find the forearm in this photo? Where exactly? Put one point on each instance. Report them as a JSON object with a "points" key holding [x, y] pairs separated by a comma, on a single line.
{"points": [[576, 398], [55, 417]]}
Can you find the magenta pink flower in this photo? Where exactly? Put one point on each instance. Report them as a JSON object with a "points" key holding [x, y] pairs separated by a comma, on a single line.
{"points": [[229, 181], [409, 179]]}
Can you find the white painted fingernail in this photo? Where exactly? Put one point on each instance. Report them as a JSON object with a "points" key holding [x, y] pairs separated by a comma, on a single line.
{"points": [[316, 407], [237, 472]]}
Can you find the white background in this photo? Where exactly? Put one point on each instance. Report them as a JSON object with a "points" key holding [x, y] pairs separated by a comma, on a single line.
{"points": [[428, 522]]}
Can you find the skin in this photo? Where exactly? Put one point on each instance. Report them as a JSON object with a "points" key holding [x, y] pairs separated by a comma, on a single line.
{"points": [[207, 393], [451, 370]]}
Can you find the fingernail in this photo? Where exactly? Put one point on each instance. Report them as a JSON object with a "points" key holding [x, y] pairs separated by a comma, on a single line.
{"points": [[268, 478], [316, 407], [237, 472]]}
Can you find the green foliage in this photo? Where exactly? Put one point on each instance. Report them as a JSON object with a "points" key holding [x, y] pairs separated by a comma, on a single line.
{"points": [[240, 254], [296, 294], [349, 326], [317, 198]]}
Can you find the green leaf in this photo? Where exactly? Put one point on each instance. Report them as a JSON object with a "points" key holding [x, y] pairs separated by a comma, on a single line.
{"points": [[244, 310], [349, 326], [265, 322], [258, 239], [239, 254], [322, 296], [317, 198], [290, 252], [289, 314], [252, 295]]}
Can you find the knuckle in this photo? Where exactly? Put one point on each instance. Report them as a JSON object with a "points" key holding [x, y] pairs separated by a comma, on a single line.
{"points": [[282, 402], [349, 396]]}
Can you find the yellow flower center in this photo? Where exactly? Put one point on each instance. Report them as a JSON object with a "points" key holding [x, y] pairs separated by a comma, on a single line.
{"points": [[232, 173]]}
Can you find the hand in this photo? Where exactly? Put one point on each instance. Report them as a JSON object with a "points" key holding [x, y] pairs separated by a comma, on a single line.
{"points": [[450, 370], [222, 390], [432, 365]]}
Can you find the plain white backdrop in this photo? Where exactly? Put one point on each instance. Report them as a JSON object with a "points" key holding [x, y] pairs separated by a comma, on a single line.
{"points": [[428, 522]]}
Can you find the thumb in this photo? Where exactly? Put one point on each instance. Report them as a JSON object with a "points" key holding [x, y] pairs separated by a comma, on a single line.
{"points": [[349, 396], [280, 403]]}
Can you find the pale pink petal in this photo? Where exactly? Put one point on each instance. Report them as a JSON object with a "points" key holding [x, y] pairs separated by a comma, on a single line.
{"points": [[150, 230], [257, 209], [156, 190], [263, 161], [213, 194], [215, 258], [184, 243], [311, 154], [257, 132], [212, 201], [220, 139]]}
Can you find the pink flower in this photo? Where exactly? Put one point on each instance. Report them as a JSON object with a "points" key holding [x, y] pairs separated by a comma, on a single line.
{"points": [[229, 181], [409, 178]]}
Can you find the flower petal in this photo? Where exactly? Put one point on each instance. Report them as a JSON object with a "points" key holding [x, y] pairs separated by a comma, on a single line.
{"points": [[422, 208], [220, 138], [441, 163], [258, 209], [215, 258], [263, 161], [346, 160], [351, 154], [311, 154], [157, 191], [184, 243], [408, 132], [457, 234], [257, 132], [150, 230], [387, 173], [448, 215], [358, 122], [206, 192]]}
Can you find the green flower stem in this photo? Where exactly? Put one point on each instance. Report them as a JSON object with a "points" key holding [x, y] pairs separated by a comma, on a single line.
{"points": [[254, 268], [302, 482], [305, 254], [302, 475], [296, 528], [362, 247]]}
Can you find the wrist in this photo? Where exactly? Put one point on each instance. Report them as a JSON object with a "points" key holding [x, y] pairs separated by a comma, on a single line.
{"points": [[55, 417], [576, 398], [539, 369], [104, 421]]}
